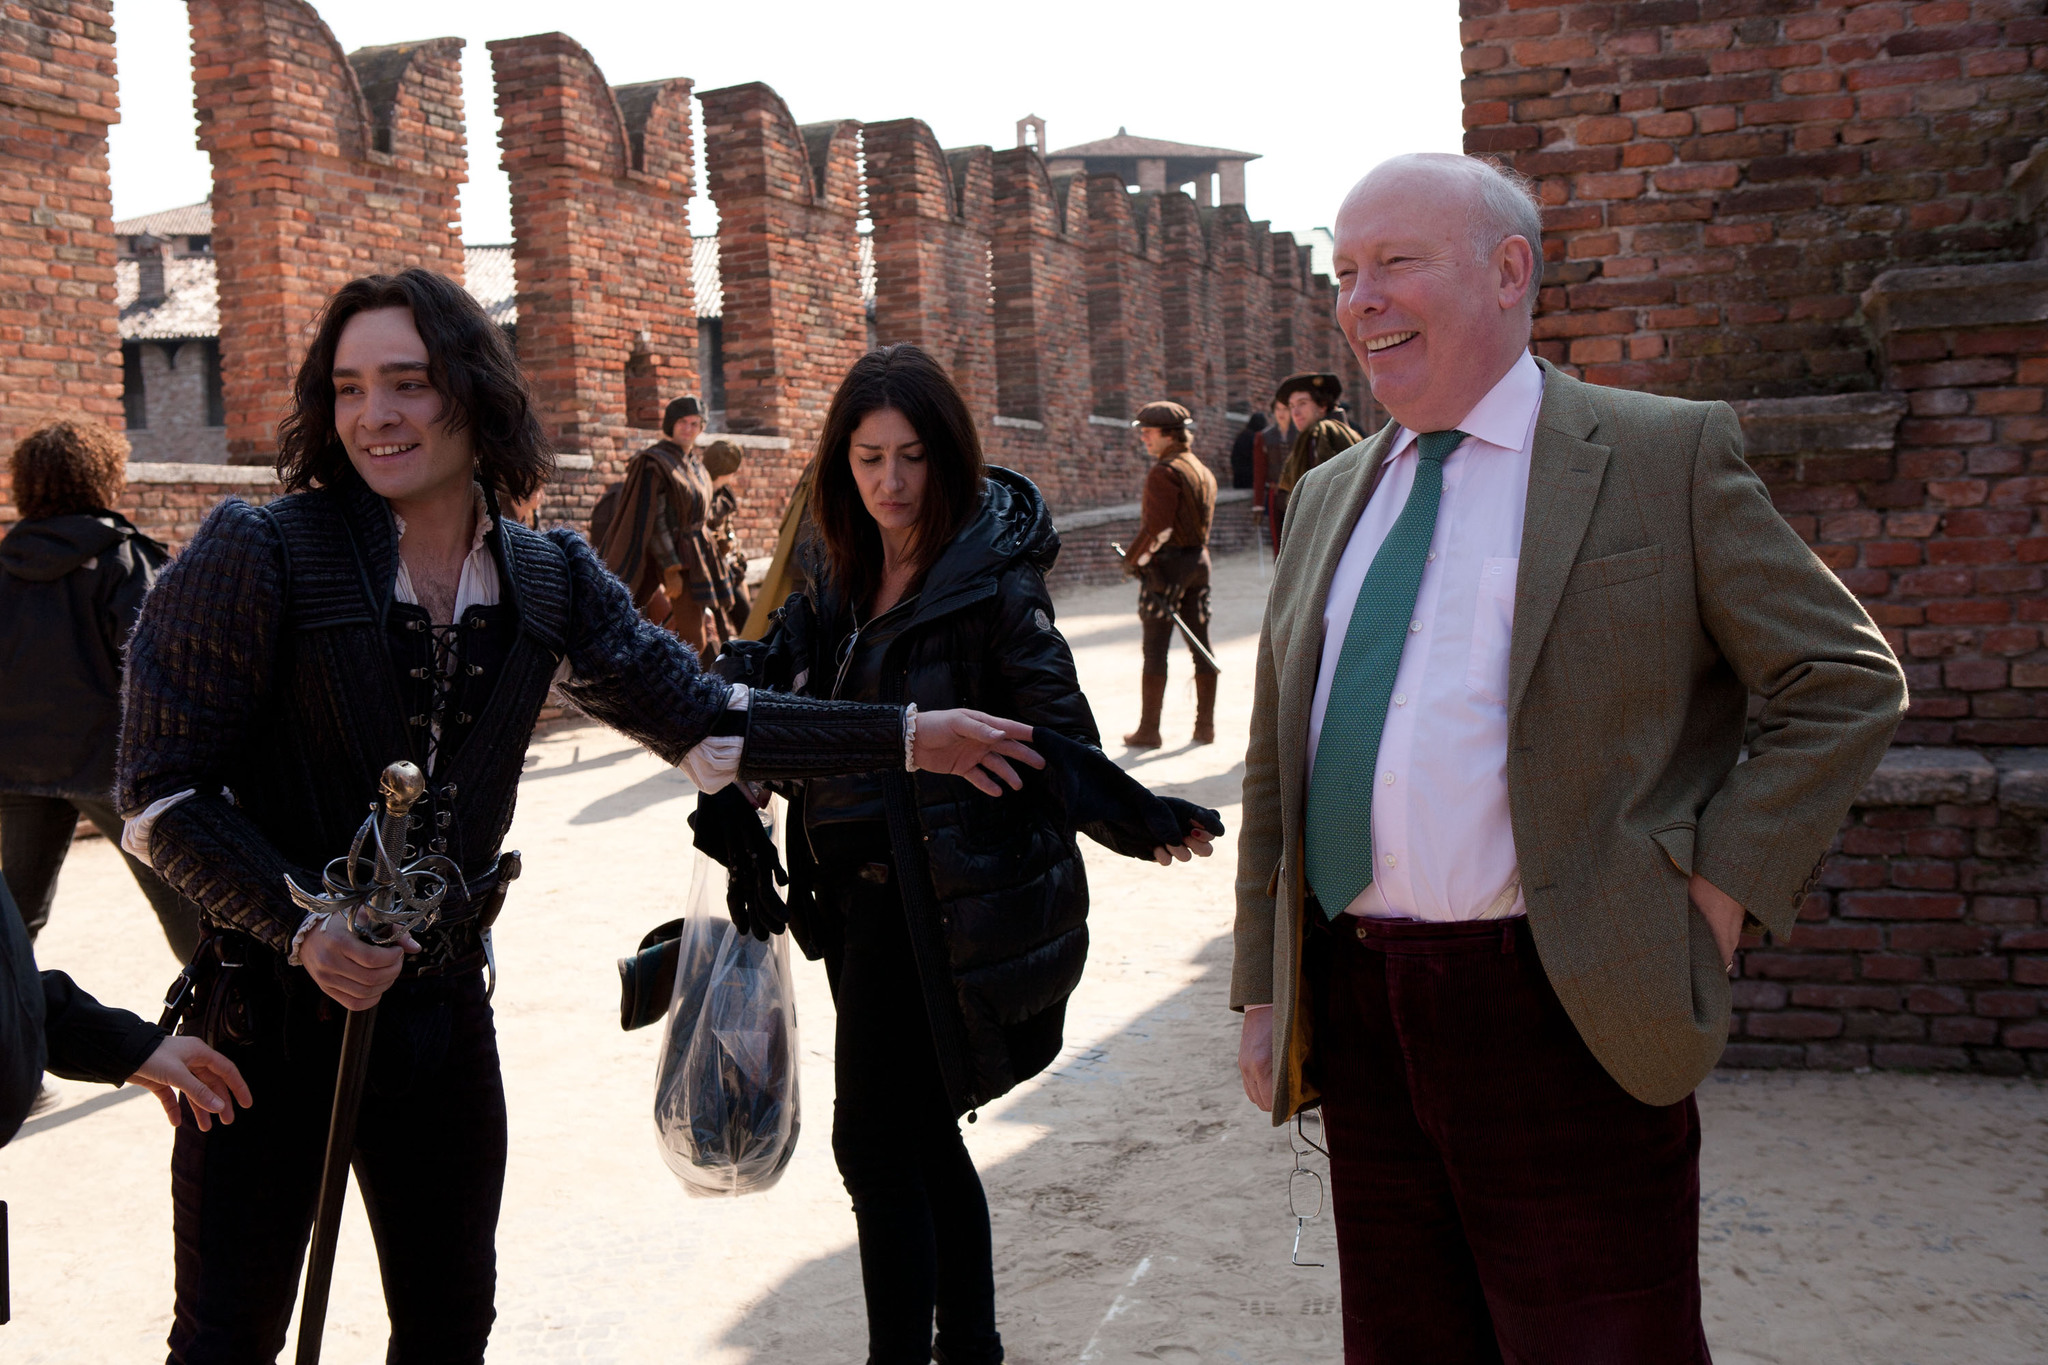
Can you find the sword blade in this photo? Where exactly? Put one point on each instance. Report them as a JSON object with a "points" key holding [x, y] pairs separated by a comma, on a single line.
{"points": [[341, 1140]]}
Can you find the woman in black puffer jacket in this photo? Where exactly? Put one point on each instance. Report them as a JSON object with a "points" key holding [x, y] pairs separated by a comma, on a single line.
{"points": [[952, 921]]}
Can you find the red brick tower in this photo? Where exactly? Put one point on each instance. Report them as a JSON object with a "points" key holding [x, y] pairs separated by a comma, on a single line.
{"points": [[601, 182], [1243, 255], [932, 216], [789, 263], [60, 345], [1194, 362], [325, 167]]}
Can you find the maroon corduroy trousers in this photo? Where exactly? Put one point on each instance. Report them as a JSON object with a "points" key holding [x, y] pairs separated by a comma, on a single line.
{"points": [[1498, 1197]]}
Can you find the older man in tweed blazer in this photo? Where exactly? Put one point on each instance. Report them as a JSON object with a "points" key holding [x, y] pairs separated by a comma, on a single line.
{"points": [[1500, 833]]}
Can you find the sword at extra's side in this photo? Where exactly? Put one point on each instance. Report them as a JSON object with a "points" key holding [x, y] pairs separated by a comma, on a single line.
{"points": [[1187, 634]]}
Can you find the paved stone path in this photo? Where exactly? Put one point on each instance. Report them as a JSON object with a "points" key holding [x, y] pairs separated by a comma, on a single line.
{"points": [[1139, 1203]]}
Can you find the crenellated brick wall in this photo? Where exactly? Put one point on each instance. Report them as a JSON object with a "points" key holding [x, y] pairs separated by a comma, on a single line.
{"points": [[601, 178], [788, 199], [325, 167], [933, 212], [60, 344], [1722, 179]]}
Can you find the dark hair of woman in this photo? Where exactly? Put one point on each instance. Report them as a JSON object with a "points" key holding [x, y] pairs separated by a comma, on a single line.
{"points": [[910, 381], [469, 362], [67, 467]]}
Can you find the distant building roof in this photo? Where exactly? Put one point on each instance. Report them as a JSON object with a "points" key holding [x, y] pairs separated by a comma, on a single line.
{"points": [[193, 220], [189, 309], [487, 273], [1124, 145]]}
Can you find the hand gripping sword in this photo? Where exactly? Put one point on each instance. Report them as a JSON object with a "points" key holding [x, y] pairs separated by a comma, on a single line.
{"points": [[382, 898], [1193, 643]]}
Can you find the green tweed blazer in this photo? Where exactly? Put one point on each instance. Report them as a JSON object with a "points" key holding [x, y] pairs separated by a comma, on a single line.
{"points": [[1658, 590]]}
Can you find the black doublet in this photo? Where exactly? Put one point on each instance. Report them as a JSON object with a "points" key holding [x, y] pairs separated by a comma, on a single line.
{"points": [[268, 661]]}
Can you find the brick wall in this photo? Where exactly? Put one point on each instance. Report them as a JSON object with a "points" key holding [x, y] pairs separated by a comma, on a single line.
{"points": [[325, 167], [60, 347], [601, 179], [787, 199], [933, 212], [170, 500], [174, 385], [1722, 179], [1925, 946]]}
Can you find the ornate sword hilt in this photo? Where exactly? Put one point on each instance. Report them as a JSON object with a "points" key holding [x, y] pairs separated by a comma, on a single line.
{"points": [[382, 895]]}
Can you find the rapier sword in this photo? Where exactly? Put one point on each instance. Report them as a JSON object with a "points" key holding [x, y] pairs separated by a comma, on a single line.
{"points": [[1193, 643], [382, 898]]}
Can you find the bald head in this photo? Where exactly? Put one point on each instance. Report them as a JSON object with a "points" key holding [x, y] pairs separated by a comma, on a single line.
{"points": [[1437, 260]]}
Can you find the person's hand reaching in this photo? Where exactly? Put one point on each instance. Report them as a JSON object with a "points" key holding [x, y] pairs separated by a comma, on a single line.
{"points": [[1119, 812], [210, 1083], [973, 745]]}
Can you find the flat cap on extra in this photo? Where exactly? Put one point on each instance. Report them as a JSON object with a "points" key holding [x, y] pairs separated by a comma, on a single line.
{"points": [[1166, 416], [1324, 388]]}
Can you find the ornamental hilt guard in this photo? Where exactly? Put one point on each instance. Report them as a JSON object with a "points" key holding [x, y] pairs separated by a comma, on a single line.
{"points": [[383, 895]]}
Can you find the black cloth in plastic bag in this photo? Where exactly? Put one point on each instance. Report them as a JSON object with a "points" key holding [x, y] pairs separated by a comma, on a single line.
{"points": [[726, 1111]]}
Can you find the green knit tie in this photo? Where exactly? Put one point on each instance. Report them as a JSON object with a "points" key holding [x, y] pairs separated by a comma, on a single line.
{"points": [[1339, 839]]}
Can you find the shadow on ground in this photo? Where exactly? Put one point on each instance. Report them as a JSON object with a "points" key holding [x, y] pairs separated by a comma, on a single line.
{"points": [[1129, 1226]]}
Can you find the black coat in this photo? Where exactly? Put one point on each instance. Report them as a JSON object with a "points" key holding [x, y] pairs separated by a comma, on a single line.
{"points": [[69, 590], [994, 887]]}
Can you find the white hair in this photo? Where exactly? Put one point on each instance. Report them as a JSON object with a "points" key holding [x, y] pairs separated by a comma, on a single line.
{"points": [[1506, 205]]}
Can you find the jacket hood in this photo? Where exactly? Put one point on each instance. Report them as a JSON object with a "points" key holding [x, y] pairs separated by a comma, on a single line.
{"points": [[44, 550], [1013, 524]]}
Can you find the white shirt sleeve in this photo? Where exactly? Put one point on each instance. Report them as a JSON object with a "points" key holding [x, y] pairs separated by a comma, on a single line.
{"points": [[715, 761], [136, 829]]}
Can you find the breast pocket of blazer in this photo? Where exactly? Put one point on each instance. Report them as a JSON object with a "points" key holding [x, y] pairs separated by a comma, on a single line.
{"points": [[1611, 571], [1493, 627]]}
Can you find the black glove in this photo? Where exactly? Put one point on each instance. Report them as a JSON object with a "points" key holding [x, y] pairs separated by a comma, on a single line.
{"points": [[729, 831], [1110, 806]]}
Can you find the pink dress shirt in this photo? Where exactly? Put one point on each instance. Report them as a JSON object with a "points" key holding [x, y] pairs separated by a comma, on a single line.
{"points": [[1443, 847]]}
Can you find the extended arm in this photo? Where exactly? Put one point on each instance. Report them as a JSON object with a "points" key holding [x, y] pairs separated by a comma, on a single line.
{"points": [[1832, 692]]}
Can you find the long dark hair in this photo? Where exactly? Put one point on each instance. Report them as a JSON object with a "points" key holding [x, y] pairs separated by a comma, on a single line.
{"points": [[469, 362], [907, 379]]}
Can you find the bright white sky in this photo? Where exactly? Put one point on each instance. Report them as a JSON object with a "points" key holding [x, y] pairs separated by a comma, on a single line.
{"points": [[1323, 92]]}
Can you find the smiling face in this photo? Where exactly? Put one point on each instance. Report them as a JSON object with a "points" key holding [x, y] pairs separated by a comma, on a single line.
{"points": [[390, 417], [1435, 319], [686, 431], [889, 470]]}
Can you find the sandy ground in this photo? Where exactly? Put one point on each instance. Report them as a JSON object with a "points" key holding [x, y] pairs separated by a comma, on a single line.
{"points": [[1139, 1202]]}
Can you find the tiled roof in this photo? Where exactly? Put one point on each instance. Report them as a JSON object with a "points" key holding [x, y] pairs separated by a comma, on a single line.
{"points": [[193, 220], [704, 282], [1123, 144], [188, 310], [487, 272]]}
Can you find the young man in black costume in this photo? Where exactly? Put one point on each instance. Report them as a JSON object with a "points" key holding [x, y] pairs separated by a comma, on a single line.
{"points": [[385, 610]]}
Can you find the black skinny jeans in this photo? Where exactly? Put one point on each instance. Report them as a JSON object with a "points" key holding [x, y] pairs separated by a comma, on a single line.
{"points": [[429, 1160], [925, 1249], [35, 837]]}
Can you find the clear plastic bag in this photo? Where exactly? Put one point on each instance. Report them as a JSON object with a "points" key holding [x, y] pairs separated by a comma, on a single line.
{"points": [[725, 1097]]}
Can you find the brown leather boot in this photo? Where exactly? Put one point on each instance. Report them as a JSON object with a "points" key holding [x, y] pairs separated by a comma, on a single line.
{"points": [[1205, 708], [1146, 736]]}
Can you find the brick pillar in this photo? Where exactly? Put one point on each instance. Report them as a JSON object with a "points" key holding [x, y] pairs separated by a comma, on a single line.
{"points": [[789, 264], [1244, 269], [325, 167], [932, 215], [601, 183], [1194, 361], [1041, 306], [60, 345], [1721, 181], [1124, 323], [1289, 268]]}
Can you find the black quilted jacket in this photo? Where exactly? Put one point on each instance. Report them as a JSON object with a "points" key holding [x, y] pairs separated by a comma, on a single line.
{"points": [[261, 665], [994, 886]]}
